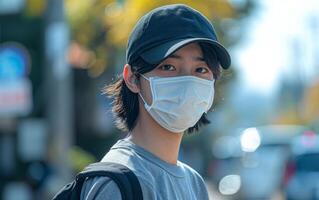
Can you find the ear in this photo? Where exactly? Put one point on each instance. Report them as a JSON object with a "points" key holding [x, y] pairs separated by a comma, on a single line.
{"points": [[130, 79]]}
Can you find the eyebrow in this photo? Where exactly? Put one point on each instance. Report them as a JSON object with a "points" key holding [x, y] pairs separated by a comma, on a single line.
{"points": [[197, 58]]}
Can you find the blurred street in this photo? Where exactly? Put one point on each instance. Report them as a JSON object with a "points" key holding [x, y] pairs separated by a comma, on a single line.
{"points": [[214, 194]]}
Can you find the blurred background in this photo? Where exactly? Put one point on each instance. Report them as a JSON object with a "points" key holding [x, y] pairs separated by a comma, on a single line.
{"points": [[56, 56]]}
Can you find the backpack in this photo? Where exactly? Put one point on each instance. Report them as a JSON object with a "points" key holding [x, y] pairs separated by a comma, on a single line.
{"points": [[125, 179]]}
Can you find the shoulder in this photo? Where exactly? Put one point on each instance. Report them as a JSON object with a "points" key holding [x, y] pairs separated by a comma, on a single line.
{"points": [[189, 170], [99, 188], [196, 179], [102, 187]]}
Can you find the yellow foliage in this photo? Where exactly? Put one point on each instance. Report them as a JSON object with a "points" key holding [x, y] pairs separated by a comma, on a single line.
{"points": [[100, 24], [77, 11], [80, 158], [35, 7], [121, 18], [290, 116], [311, 103]]}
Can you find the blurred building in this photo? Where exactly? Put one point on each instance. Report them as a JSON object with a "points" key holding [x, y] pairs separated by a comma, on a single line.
{"points": [[23, 130], [38, 112]]}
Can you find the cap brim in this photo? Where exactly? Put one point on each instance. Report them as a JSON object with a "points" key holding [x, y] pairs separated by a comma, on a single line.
{"points": [[161, 52]]}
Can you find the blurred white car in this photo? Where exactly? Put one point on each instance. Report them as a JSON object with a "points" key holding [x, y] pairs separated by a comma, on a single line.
{"points": [[251, 163]]}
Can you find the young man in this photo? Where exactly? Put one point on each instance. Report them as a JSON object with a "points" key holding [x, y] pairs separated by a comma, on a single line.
{"points": [[167, 87]]}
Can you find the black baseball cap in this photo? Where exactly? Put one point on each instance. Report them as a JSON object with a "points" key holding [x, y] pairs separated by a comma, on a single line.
{"points": [[162, 31]]}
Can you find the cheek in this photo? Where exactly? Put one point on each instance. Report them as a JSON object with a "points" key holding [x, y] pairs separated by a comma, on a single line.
{"points": [[207, 76]]}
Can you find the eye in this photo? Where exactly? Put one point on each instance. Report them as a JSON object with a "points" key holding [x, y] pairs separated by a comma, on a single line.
{"points": [[167, 67], [202, 70]]}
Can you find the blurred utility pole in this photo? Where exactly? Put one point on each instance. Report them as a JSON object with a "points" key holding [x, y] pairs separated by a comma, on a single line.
{"points": [[58, 90]]}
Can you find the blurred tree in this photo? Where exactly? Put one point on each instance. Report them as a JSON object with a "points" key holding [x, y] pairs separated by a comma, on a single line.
{"points": [[103, 26], [288, 116], [80, 158], [120, 18], [302, 111], [310, 106], [35, 8]]}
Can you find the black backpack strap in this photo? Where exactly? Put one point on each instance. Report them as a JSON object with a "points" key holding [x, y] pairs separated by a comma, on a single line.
{"points": [[125, 179]]}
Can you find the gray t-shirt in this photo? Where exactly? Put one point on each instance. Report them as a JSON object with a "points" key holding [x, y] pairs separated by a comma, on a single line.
{"points": [[159, 180]]}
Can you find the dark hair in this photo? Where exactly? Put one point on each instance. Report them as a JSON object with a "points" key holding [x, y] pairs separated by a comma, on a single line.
{"points": [[126, 105]]}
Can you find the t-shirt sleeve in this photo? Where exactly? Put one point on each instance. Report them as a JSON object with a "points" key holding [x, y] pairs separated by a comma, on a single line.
{"points": [[100, 188]]}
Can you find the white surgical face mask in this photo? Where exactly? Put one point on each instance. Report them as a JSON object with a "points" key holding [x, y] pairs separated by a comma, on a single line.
{"points": [[179, 102]]}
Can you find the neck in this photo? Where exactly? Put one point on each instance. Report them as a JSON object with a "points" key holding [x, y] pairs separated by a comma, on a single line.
{"points": [[154, 138]]}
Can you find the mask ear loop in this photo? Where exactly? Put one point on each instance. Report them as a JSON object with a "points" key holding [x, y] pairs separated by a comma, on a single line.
{"points": [[145, 77], [142, 98], [146, 105]]}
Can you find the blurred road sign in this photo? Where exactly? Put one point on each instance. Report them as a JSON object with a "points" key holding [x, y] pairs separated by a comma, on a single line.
{"points": [[15, 97], [14, 61]]}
